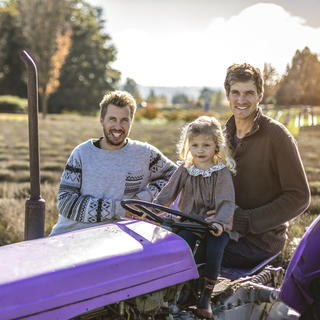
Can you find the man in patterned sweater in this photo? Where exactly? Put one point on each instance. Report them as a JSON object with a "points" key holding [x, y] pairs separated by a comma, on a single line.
{"points": [[101, 172]]}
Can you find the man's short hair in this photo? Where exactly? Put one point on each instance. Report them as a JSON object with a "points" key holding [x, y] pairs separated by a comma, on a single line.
{"points": [[119, 99], [243, 73]]}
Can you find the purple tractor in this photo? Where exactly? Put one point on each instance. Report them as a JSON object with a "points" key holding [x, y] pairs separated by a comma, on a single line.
{"points": [[136, 269]]}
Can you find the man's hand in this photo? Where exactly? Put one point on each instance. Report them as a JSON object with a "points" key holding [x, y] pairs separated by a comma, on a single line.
{"points": [[217, 229], [134, 216], [131, 215]]}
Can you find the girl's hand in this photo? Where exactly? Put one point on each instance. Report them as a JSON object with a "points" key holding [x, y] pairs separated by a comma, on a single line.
{"points": [[211, 214], [217, 229]]}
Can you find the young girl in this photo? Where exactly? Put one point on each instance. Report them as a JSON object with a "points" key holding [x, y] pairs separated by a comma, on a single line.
{"points": [[205, 183]]}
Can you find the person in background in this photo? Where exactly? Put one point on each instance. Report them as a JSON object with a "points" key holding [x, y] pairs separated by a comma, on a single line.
{"points": [[101, 172], [271, 186], [206, 190]]}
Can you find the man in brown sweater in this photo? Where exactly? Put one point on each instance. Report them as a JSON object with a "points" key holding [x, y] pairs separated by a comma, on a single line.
{"points": [[271, 187]]}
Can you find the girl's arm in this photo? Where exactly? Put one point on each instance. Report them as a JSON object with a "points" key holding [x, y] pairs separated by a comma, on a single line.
{"points": [[160, 170], [224, 199], [171, 190]]}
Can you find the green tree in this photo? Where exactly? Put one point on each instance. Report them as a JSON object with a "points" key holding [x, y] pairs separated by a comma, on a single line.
{"points": [[207, 93], [87, 74], [43, 23], [301, 82], [270, 77], [11, 44], [152, 96], [206, 98], [130, 86], [180, 98], [218, 99]]}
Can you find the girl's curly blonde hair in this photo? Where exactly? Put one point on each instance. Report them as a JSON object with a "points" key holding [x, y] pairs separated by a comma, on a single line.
{"points": [[208, 126]]}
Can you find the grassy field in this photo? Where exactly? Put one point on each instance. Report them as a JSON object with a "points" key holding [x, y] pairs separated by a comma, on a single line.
{"points": [[59, 134]]}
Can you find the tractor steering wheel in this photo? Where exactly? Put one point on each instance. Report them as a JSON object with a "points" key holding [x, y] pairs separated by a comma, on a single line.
{"points": [[141, 208]]}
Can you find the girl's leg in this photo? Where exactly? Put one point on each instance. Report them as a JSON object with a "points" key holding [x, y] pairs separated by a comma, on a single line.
{"points": [[189, 237], [215, 249], [204, 304]]}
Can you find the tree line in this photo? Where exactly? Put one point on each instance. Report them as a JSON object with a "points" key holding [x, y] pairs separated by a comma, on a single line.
{"points": [[74, 53], [300, 85]]}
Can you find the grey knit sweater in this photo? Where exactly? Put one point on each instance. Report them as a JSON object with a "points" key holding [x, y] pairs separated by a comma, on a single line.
{"points": [[96, 180]]}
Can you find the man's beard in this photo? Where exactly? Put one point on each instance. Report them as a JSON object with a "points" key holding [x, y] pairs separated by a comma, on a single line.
{"points": [[111, 142]]}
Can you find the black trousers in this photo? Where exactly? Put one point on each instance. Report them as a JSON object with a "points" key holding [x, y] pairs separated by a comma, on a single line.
{"points": [[243, 254], [210, 251]]}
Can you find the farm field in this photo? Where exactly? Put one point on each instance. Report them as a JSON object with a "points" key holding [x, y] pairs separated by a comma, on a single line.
{"points": [[59, 134]]}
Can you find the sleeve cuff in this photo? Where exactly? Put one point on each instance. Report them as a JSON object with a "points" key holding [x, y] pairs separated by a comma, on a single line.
{"points": [[220, 224], [241, 221], [145, 195]]}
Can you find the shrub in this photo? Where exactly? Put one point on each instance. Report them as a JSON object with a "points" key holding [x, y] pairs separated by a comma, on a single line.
{"points": [[315, 205], [315, 187], [6, 175], [4, 157], [21, 146], [18, 165], [172, 115], [22, 191], [13, 104], [11, 221], [296, 230], [149, 112], [313, 173], [53, 166], [49, 177], [193, 115], [22, 176]]}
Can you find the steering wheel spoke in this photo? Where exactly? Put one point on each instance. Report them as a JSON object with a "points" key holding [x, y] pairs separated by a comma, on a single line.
{"points": [[187, 222], [150, 215]]}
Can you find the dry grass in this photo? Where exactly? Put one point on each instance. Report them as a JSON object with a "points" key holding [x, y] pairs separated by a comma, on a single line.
{"points": [[59, 134]]}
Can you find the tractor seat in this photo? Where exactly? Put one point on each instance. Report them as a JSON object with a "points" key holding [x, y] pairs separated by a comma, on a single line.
{"points": [[236, 273]]}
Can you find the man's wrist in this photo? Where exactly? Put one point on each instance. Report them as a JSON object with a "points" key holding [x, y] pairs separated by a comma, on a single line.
{"points": [[241, 221], [144, 195]]}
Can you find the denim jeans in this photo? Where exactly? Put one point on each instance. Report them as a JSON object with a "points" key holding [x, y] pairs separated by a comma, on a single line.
{"points": [[210, 251], [243, 254]]}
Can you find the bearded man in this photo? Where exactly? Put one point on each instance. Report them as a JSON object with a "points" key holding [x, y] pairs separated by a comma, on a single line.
{"points": [[101, 172]]}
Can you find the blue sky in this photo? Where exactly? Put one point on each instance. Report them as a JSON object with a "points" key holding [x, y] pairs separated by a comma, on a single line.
{"points": [[191, 43]]}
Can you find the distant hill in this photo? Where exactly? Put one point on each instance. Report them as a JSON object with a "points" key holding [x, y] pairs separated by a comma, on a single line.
{"points": [[169, 92]]}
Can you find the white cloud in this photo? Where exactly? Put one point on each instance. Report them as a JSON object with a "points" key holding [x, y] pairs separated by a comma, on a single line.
{"points": [[260, 33]]}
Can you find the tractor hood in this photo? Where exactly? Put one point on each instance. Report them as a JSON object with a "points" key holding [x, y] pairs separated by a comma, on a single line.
{"points": [[65, 275]]}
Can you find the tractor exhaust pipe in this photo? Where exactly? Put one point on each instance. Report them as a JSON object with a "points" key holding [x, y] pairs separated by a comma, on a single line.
{"points": [[35, 206]]}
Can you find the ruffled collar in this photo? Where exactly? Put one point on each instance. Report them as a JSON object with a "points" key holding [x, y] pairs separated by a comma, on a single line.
{"points": [[194, 171]]}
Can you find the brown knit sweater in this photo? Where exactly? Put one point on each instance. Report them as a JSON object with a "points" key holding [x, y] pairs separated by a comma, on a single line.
{"points": [[271, 186]]}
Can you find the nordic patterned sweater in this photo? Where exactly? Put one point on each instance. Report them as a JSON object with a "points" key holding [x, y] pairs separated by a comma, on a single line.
{"points": [[96, 180]]}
